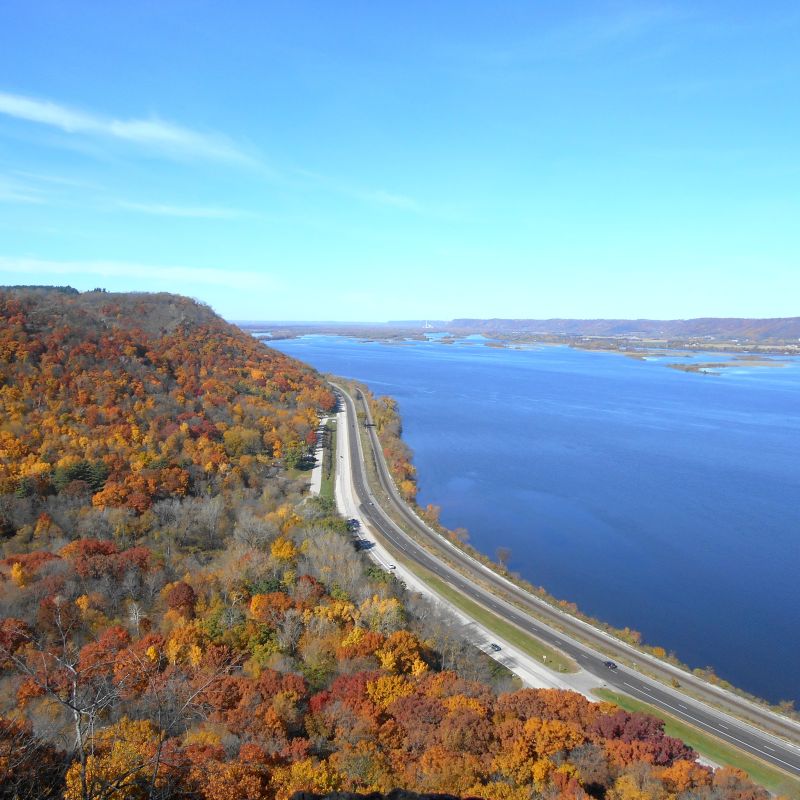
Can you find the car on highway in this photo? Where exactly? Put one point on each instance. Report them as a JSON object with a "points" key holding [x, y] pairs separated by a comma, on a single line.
{"points": [[391, 566], [610, 665], [495, 648], [353, 524]]}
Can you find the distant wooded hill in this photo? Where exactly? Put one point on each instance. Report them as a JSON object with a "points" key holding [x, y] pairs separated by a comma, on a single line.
{"points": [[717, 327]]}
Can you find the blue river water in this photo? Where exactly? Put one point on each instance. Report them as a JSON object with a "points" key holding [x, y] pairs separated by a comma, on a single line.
{"points": [[653, 498]]}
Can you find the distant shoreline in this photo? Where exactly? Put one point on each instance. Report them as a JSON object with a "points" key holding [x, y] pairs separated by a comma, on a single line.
{"points": [[743, 355]]}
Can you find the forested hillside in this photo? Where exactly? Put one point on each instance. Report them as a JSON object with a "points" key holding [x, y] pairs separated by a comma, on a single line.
{"points": [[179, 619]]}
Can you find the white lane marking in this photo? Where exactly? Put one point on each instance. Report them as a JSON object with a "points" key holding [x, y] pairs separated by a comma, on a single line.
{"points": [[728, 735], [767, 747], [723, 726]]}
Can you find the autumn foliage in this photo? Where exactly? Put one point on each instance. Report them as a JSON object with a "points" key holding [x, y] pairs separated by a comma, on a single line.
{"points": [[388, 425], [132, 399], [178, 619]]}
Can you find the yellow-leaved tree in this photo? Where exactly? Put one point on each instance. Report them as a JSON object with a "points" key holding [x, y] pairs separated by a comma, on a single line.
{"points": [[119, 768]]}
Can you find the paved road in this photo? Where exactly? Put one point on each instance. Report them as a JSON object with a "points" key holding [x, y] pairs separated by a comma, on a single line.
{"points": [[773, 749]]}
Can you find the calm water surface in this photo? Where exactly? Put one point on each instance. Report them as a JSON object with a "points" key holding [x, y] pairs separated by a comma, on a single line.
{"points": [[662, 500]]}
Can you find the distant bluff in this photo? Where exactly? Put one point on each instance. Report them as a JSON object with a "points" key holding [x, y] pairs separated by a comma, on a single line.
{"points": [[778, 329]]}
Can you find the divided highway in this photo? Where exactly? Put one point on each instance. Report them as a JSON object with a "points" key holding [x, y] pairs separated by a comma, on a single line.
{"points": [[590, 648]]}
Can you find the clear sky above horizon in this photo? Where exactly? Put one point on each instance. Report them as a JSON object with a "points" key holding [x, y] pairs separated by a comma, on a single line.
{"points": [[376, 161]]}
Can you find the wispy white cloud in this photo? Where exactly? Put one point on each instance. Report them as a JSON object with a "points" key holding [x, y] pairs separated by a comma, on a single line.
{"points": [[179, 276], [380, 197], [55, 180], [727, 84], [88, 130], [153, 134], [188, 212], [14, 191], [631, 22], [384, 198], [627, 23]]}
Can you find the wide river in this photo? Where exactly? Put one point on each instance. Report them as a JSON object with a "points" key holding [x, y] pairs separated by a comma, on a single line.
{"points": [[654, 498]]}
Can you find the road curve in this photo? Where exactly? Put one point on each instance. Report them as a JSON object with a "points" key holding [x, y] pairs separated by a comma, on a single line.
{"points": [[782, 750]]}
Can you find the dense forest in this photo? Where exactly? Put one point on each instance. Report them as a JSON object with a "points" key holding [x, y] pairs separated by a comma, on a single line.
{"points": [[180, 619]]}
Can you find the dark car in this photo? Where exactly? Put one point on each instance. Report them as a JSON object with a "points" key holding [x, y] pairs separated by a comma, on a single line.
{"points": [[495, 648], [353, 524], [610, 664]]}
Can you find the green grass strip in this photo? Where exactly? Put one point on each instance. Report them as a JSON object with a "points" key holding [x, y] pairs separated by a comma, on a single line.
{"points": [[529, 645], [326, 488], [714, 749]]}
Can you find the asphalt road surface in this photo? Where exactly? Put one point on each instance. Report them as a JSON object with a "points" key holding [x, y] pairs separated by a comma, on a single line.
{"points": [[782, 750]]}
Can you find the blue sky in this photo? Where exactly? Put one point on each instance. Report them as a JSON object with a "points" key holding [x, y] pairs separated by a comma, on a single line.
{"points": [[375, 161]]}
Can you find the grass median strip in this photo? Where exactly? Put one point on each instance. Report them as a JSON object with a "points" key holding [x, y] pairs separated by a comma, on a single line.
{"points": [[328, 462], [707, 745], [551, 658]]}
